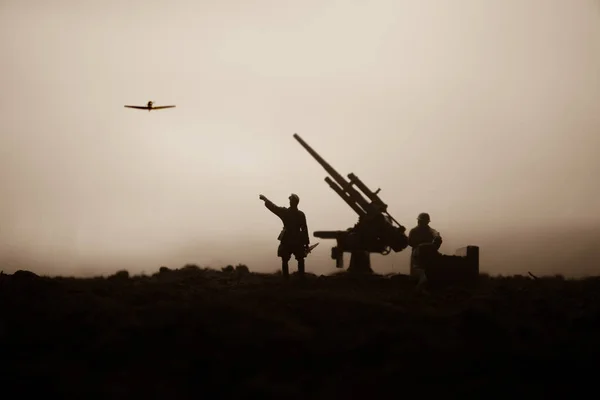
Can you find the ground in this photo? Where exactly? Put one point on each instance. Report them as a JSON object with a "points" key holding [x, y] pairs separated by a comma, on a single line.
{"points": [[187, 332]]}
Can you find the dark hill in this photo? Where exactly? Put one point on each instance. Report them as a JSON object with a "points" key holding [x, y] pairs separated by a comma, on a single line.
{"points": [[192, 332]]}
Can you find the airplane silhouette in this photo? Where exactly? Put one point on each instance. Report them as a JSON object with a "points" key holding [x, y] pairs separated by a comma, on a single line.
{"points": [[150, 107]]}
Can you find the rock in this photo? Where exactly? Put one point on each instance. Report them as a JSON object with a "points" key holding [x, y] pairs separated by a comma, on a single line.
{"points": [[24, 275]]}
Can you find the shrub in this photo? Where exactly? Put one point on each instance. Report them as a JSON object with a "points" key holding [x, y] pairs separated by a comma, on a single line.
{"points": [[122, 275], [242, 269]]}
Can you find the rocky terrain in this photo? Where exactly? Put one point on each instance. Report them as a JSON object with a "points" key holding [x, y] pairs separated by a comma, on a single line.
{"points": [[192, 331]]}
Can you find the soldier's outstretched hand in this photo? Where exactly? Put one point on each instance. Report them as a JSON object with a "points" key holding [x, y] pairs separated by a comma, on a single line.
{"points": [[263, 198]]}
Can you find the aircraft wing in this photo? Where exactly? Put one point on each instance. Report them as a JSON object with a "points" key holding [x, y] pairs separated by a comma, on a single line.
{"points": [[138, 107], [161, 107]]}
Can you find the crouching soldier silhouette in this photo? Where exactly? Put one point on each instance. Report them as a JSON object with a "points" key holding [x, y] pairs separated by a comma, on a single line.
{"points": [[425, 242], [294, 237]]}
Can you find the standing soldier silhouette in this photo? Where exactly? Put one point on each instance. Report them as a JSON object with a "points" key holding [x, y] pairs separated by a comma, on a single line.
{"points": [[294, 235], [419, 236]]}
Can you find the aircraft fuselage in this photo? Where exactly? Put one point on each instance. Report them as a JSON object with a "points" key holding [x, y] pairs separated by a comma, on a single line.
{"points": [[149, 106]]}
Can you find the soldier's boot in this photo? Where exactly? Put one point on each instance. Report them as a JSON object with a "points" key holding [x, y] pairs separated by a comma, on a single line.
{"points": [[285, 269], [301, 267]]}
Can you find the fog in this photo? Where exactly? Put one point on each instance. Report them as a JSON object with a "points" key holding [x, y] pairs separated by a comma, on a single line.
{"points": [[483, 113]]}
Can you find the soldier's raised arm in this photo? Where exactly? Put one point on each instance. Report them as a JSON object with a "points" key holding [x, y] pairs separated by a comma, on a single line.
{"points": [[272, 206]]}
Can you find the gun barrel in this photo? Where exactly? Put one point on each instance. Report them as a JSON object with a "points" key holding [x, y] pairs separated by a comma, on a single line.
{"points": [[330, 170], [357, 208], [342, 182], [328, 234], [355, 180]]}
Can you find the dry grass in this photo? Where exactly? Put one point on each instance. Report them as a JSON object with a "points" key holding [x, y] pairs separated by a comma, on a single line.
{"points": [[236, 333]]}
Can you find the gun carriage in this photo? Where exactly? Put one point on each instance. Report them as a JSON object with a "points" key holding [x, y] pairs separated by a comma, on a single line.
{"points": [[376, 230]]}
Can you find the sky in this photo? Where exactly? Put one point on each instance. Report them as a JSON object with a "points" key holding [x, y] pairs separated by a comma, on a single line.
{"points": [[482, 113]]}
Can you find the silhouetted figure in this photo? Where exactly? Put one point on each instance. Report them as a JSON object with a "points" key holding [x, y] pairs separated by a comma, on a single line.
{"points": [[424, 240], [294, 237]]}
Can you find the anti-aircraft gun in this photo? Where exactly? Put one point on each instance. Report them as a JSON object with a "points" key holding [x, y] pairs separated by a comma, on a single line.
{"points": [[376, 230]]}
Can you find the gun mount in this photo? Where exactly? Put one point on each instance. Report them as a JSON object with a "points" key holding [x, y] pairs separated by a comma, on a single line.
{"points": [[376, 230]]}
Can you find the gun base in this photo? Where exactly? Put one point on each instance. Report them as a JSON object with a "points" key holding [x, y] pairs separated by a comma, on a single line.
{"points": [[338, 255], [360, 262]]}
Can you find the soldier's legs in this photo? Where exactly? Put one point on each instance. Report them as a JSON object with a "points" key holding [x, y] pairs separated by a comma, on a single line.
{"points": [[421, 277], [299, 254], [300, 266], [285, 255], [416, 272], [285, 269]]}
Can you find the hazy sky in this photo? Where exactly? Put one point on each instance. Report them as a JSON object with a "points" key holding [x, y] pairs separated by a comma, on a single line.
{"points": [[483, 113]]}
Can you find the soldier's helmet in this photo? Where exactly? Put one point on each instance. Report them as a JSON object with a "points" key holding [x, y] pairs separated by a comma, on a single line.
{"points": [[424, 217], [294, 198]]}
